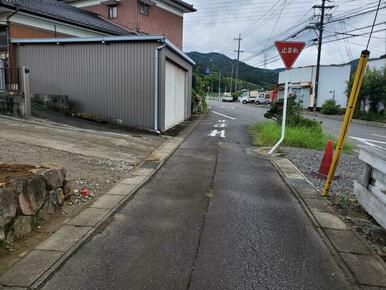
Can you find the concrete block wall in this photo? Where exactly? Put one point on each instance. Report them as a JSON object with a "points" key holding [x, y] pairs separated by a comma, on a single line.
{"points": [[371, 189]]}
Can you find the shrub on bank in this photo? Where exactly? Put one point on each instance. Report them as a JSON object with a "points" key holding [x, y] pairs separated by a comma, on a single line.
{"points": [[330, 107]]}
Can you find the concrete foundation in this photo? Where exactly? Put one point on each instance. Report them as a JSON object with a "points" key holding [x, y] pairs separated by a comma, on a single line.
{"points": [[371, 189]]}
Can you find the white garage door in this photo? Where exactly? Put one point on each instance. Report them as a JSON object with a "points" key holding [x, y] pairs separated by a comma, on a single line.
{"points": [[175, 82]]}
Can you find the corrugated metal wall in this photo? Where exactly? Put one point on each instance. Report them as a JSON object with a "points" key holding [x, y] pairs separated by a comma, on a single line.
{"points": [[114, 81]]}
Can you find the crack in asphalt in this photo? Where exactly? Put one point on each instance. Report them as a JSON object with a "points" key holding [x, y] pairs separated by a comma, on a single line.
{"points": [[208, 198]]}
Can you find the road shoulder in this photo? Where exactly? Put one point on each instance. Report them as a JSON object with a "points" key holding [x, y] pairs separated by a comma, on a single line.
{"points": [[352, 254]]}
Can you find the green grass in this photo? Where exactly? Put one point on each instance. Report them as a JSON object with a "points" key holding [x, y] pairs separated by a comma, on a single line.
{"points": [[268, 133]]}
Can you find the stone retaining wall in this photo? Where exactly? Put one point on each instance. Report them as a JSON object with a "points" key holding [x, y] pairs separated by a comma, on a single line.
{"points": [[26, 200]]}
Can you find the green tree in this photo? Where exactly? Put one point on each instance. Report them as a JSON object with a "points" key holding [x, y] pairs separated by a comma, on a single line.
{"points": [[373, 88]]}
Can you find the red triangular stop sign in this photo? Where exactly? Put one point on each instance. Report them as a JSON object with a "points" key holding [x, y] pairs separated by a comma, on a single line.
{"points": [[289, 51]]}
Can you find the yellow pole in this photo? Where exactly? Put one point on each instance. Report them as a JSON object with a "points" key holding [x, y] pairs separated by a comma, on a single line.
{"points": [[358, 79]]}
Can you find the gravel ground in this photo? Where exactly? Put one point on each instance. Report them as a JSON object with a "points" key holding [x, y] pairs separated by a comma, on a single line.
{"points": [[97, 173], [308, 161]]}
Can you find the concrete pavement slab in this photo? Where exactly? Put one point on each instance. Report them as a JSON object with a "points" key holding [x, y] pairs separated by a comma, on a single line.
{"points": [[136, 180], [143, 172], [30, 268], [329, 220], [367, 269], [89, 217], [317, 203], [107, 201], [122, 189], [64, 238], [346, 241]]}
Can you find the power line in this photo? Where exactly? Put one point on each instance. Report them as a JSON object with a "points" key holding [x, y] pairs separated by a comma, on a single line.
{"points": [[372, 28]]}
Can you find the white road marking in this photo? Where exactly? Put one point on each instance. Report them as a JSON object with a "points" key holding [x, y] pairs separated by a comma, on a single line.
{"points": [[376, 135], [368, 142], [214, 133], [224, 115], [222, 125], [221, 121]]}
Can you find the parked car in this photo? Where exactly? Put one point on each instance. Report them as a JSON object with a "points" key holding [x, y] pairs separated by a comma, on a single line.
{"points": [[226, 97], [262, 99]]}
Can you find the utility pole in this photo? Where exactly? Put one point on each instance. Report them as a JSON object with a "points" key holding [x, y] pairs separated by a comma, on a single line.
{"points": [[219, 86], [265, 61], [238, 60], [323, 8], [232, 77]]}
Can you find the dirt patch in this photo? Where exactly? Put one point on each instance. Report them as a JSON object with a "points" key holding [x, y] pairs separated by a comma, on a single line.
{"points": [[12, 171]]}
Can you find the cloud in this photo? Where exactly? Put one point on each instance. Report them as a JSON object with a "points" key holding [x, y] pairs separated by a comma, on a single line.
{"points": [[217, 23]]}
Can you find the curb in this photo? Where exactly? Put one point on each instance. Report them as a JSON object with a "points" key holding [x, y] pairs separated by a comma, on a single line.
{"points": [[352, 254], [340, 118], [42, 262]]}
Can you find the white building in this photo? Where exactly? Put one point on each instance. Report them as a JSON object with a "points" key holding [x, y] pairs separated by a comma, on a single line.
{"points": [[377, 64], [333, 82]]}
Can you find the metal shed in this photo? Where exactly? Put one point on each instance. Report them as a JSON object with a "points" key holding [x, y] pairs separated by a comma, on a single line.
{"points": [[138, 81]]}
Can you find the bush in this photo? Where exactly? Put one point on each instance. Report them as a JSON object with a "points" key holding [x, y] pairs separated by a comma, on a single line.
{"points": [[294, 115], [330, 108]]}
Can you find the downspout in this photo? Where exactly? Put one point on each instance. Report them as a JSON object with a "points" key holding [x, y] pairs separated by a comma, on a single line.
{"points": [[156, 85], [9, 34]]}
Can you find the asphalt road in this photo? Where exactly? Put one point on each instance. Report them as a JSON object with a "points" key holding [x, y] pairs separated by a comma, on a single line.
{"points": [[215, 216], [359, 134]]}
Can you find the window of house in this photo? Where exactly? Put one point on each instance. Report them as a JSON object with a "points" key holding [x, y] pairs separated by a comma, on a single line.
{"points": [[143, 8], [112, 12]]}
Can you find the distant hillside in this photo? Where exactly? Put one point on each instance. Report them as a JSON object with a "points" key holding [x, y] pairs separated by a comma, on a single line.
{"points": [[219, 62]]}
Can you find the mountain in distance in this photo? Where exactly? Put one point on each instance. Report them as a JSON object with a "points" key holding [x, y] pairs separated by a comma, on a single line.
{"points": [[218, 62]]}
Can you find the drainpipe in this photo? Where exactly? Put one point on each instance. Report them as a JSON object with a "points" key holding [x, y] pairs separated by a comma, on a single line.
{"points": [[156, 86]]}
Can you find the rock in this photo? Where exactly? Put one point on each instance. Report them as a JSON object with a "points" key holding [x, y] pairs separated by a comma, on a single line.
{"points": [[54, 178], [56, 197], [8, 206], [47, 210], [52, 165], [31, 193], [22, 226]]}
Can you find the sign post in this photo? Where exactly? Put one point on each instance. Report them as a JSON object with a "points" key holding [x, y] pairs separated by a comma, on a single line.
{"points": [[289, 52]]}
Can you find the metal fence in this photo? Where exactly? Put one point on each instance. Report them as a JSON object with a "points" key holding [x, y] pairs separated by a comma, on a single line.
{"points": [[15, 96], [10, 80]]}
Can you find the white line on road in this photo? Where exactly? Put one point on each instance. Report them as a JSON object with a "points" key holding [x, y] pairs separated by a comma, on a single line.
{"points": [[222, 135], [224, 115], [368, 142], [376, 135]]}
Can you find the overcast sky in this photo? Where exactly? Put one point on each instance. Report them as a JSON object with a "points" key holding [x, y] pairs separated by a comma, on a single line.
{"points": [[217, 22]]}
